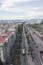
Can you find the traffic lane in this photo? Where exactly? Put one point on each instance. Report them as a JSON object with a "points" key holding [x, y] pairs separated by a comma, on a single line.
{"points": [[30, 60], [35, 37], [24, 60], [37, 40], [23, 42], [24, 57]]}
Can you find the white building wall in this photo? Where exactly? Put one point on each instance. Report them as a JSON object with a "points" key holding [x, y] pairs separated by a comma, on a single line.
{"points": [[1, 53], [8, 45]]}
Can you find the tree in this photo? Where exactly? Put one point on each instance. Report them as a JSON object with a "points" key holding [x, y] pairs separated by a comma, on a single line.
{"points": [[17, 61], [42, 22]]}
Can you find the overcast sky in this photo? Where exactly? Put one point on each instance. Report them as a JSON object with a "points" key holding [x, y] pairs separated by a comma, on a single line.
{"points": [[21, 9]]}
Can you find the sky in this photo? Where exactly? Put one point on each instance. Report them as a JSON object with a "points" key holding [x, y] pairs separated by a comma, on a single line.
{"points": [[21, 9]]}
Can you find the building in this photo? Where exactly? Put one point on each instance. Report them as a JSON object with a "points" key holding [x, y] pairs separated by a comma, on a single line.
{"points": [[6, 41]]}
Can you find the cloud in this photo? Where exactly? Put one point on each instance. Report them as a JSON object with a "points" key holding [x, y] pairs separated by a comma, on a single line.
{"points": [[7, 3], [26, 13], [23, 11], [28, 3], [12, 17]]}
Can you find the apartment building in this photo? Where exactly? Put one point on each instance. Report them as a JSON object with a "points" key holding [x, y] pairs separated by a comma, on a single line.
{"points": [[6, 41]]}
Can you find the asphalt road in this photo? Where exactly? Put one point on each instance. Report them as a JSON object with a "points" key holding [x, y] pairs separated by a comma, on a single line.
{"points": [[38, 41], [24, 60], [30, 62]]}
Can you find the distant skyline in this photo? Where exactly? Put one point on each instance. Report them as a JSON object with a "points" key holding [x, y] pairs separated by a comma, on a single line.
{"points": [[21, 9]]}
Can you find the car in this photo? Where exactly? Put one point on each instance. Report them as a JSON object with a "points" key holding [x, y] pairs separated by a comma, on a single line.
{"points": [[23, 51]]}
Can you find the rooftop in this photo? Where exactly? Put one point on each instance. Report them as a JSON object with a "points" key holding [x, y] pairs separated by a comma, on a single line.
{"points": [[4, 37]]}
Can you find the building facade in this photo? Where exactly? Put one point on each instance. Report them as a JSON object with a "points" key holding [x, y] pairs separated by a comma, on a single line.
{"points": [[6, 43]]}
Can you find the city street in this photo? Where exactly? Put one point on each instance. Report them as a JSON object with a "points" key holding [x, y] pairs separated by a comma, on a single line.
{"points": [[37, 41], [30, 62], [26, 59]]}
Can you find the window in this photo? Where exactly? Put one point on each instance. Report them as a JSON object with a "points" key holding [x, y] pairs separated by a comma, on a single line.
{"points": [[0, 52]]}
